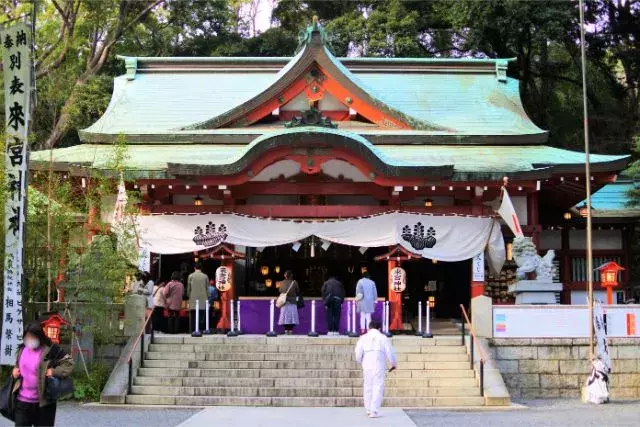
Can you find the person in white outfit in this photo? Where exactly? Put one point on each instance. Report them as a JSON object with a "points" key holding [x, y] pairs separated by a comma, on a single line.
{"points": [[366, 296], [372, 352]]}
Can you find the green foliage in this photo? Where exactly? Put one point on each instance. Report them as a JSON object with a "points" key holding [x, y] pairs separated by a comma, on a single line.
{"points": [[634, 172], [89, 389]]}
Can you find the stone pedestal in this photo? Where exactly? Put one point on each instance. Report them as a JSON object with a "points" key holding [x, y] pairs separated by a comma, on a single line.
{"points": [[134, 313], [481, 316], [535, 292]]}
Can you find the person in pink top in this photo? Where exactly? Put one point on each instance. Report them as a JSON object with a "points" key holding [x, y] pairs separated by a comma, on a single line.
{"points": [[173, 292], [37, 358]]}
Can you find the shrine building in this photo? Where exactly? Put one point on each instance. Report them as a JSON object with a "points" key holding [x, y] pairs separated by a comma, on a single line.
{"points": [[333, 166]]}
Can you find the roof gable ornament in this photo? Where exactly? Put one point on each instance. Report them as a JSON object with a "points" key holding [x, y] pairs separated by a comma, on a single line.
{"points": [[306, 37], [501, 69], [131, 65], [310, 117]]}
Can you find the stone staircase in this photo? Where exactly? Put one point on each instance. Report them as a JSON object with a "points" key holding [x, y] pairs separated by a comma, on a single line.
{"points": [[298, 371]]}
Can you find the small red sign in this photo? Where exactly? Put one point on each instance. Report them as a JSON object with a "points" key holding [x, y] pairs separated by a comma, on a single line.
{"points": [[631, 324]]}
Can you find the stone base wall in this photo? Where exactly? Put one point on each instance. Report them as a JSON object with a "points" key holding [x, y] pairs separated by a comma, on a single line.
{"points": [[559, 367], [110, 353]]}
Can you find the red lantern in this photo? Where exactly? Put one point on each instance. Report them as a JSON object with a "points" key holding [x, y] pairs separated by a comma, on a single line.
{"points": [[52, 325], [609, 278]]}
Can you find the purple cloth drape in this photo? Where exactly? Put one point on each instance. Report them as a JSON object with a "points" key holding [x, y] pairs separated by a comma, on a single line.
{"points": [[254, 314]]}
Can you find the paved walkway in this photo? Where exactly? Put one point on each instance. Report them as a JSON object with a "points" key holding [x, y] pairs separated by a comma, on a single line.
{"points": [[535, 413], [295, 417]]}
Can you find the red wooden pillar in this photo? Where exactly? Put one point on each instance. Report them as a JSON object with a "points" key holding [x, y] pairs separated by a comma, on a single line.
{"points": [[532, 216], [92, 223], [395, 301], [565, 296], [225, 298]]}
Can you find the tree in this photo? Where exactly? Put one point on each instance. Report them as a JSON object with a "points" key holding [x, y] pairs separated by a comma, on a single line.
{"points": [[75, 39]]}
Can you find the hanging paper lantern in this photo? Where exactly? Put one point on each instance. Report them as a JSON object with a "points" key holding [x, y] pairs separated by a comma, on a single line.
{"points": [[398, 279], [276, 269], [268, 282], [264, 270], [223, 278]]}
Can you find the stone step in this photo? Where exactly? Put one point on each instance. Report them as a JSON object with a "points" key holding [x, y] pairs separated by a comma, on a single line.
{"points": [[302, 392], [293, 365], [306, 349], [297, 340], [335, 357], [162, 371], [299, 382], [403, 402]]}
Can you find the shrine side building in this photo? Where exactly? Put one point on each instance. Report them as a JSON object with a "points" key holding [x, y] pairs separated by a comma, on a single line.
{"points": [[316, 138]]}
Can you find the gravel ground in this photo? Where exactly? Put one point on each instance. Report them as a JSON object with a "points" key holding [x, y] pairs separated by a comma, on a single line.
{"points": [[548, 413]]}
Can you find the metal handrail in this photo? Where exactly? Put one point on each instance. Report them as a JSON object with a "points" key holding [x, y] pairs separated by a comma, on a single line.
{"points": [[472, 341], [139, 340]]}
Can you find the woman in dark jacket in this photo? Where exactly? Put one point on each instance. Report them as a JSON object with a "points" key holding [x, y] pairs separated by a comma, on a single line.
{"points": [[37, 359]]}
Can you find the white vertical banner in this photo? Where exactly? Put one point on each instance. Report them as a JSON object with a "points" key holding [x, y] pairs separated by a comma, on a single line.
{"points": [[144, 259], [478, 268], [16, 61], [601, 335], [118, 219]]}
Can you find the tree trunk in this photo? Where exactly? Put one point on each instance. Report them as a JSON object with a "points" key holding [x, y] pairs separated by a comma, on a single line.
{"points": [[61, 124]]}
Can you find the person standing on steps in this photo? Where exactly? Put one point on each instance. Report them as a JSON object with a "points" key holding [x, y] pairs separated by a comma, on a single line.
{"points": [[147, 291], [159, 304], [333, 297], [173, 292], [197, 290], [366, 297], [289, 312], [372, 352]]}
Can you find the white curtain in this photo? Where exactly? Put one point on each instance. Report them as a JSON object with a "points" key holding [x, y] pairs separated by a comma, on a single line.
{"points": [[445, 238]]}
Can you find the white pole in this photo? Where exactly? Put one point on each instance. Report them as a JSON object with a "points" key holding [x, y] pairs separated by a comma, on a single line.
{"points": [[239, 331], [348, 317], [352, 309], [312, 332], [196, 332], [353, 317], [385, 311], [232, 331], [384, 316], [207, 331], [420, 317], [387, 319], [587, 180], [271, 332], [427, 322], [197, 316]]}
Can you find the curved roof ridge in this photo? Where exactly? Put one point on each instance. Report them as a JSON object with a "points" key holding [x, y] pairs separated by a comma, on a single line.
{"points": [[248, 154], [285, 59], [315, 51]]}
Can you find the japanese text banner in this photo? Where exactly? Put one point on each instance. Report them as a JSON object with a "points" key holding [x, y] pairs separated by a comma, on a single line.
{"points": [[16, 60]]}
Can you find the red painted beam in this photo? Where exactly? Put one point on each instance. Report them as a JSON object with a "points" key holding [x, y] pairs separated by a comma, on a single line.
{"points": [[318, 188], [310, 211]]}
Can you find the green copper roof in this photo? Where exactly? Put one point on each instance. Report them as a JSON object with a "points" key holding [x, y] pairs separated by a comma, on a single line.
{"points": [[468, 104], [469, 162], [611, 201], [612, 196], [462, 98]]}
